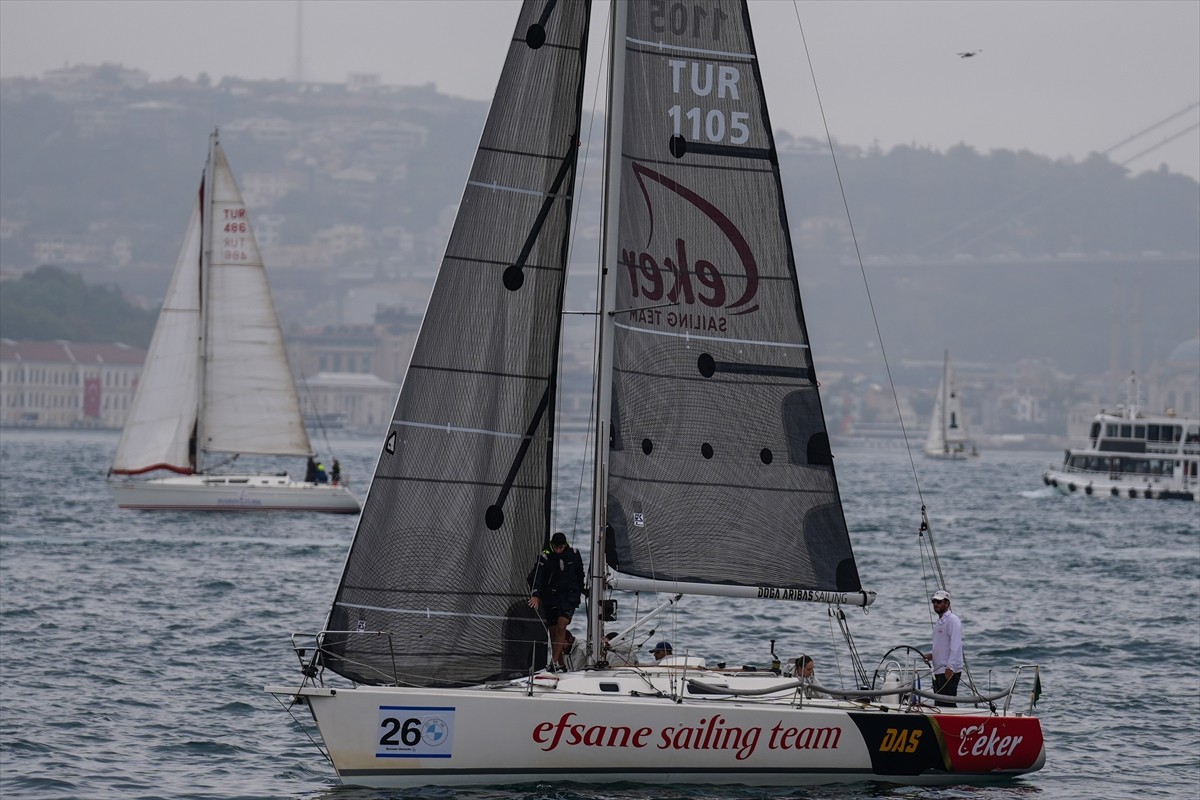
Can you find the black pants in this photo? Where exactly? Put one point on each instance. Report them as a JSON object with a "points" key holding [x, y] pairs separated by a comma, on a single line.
{"points": [[946, 686]]}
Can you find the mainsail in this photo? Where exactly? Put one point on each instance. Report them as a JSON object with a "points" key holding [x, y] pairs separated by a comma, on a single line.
{"points": [[720, 467], [216, 368], [433, 591], [250, 403]]}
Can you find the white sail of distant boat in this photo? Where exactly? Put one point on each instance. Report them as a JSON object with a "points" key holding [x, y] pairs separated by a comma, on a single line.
{"points": [[216, 383], [949, 437], [712, 466]]}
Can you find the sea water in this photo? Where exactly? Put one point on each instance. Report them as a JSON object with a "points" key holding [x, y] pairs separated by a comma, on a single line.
{"points": [[134, 646]]}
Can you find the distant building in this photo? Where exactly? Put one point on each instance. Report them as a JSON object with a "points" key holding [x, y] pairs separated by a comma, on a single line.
{"points": [[63, 384], [353, 401], [382, 349]]}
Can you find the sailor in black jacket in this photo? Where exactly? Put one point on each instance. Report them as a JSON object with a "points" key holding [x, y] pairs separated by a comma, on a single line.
{"points": [[556, 584]]}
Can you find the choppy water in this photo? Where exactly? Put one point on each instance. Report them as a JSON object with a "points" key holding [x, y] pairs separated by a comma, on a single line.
{"points": [[134, 646]]}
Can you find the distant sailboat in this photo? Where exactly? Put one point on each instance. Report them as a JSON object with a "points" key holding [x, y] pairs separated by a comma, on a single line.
{"points": [[948, 435], [216, 383]]}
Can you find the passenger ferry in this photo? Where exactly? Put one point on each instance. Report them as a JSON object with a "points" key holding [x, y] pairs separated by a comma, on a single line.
{"points": [[1135, 455]]}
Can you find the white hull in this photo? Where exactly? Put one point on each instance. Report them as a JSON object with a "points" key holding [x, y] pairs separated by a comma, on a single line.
{"points": [[951, 456], [232, 493], [1068, 480], [593, 727]]}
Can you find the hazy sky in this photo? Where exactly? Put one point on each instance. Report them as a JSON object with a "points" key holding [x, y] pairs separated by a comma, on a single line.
{"points": [[1057, 77]]}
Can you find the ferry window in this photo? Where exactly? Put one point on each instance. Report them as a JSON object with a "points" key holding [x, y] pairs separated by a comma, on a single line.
{"points": [[1095, 431], [1110, 429], [1153, 433], [1126, 431], [1139, 431], [1172, 432]]}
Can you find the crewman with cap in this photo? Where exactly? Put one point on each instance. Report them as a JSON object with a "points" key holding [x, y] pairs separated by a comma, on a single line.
{"points": [[947, 655], [661, 650], [556, 583]]}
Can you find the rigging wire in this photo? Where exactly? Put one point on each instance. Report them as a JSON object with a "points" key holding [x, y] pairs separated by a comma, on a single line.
{"points": [[858, 255], [925, 531]]}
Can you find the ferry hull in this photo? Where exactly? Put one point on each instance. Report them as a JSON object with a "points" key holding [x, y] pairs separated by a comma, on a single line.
{"points": [[232, 493], [1103, 484], [387, 737]]}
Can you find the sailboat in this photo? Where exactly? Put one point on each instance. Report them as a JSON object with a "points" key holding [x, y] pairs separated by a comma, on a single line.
{"points": [[948, 436], [431, 667], [216, 383]]}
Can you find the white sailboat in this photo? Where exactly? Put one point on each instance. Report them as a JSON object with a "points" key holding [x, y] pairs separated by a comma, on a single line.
{"points": [[216, 382], [948, 435], [430, 668]]}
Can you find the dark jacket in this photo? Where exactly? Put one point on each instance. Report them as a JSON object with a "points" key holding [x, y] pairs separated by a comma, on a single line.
{"points": [[557, 579]]}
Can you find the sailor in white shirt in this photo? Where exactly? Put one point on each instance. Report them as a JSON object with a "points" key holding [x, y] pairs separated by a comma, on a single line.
{"points": [[947, 655]]}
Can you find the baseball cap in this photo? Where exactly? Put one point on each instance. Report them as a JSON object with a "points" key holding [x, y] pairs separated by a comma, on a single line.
{"points": [[664, 645], [940, 594]]}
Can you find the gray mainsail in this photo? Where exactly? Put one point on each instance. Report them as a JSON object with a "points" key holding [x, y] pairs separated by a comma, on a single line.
{"points": [[433, 592], [720, 467]]}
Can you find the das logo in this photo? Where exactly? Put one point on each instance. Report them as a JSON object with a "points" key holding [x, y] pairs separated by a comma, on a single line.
{"points": [[900, 740]]}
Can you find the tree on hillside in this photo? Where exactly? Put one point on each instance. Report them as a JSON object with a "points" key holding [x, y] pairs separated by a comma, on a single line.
{"points": [[51, 303]]}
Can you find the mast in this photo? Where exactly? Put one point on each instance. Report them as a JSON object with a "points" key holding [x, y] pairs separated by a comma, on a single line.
{"points": [[614, 126], [206, 245]]}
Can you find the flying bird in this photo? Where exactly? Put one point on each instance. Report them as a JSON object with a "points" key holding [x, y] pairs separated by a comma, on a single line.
{"points": [[969, 53]]}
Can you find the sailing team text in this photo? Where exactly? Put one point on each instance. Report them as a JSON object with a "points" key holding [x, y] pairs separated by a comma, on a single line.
{"points": [[710, 734]]}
